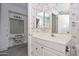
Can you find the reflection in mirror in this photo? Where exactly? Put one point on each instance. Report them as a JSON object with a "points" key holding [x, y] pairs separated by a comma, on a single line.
{"points": [[54, 23], [39, 19], [63, 24], [60, 23], [60, 18], [47, 21], [42, 21]]}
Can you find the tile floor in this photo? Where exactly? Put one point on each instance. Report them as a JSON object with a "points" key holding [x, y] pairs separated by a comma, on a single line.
{"points": [[20, 50]]}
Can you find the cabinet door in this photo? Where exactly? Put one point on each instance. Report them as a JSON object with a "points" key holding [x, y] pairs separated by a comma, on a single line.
{"points": [[34, 50], [40, 49], [37, 49], [47, 52], [34, 53]]}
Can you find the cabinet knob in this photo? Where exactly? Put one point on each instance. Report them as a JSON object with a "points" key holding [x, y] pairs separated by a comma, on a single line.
{"points": [[36, 48], [67, 49], [41, 47]]}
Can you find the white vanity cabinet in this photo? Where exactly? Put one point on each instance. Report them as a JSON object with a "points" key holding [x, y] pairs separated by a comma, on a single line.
{"points": [[41, 47]]}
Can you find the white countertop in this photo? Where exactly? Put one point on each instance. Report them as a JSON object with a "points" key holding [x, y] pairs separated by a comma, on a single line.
{"points": [[58, 38]]}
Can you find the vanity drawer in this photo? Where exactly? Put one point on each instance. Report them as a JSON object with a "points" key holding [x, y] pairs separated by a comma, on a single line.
{"points": [[48, 53], [52, 52]]}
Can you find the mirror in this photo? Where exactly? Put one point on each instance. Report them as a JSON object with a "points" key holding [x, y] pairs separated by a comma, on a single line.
{"points": [[42, 21], [60, 23], [56, 22]]}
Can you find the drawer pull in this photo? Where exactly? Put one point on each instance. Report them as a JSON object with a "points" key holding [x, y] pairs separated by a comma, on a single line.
{"points": [[36, 48], [67, 49], [42, 47]]}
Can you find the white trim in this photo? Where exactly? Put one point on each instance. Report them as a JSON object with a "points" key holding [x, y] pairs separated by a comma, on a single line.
{"points": [[29, 29]]}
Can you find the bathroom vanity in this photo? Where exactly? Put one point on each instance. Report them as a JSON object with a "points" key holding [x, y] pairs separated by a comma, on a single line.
{"points": [[45, 45]]}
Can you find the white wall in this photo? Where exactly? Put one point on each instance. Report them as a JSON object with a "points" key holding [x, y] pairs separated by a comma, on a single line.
{"points": [[74, 17], [4, 39], [63, 23]]}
